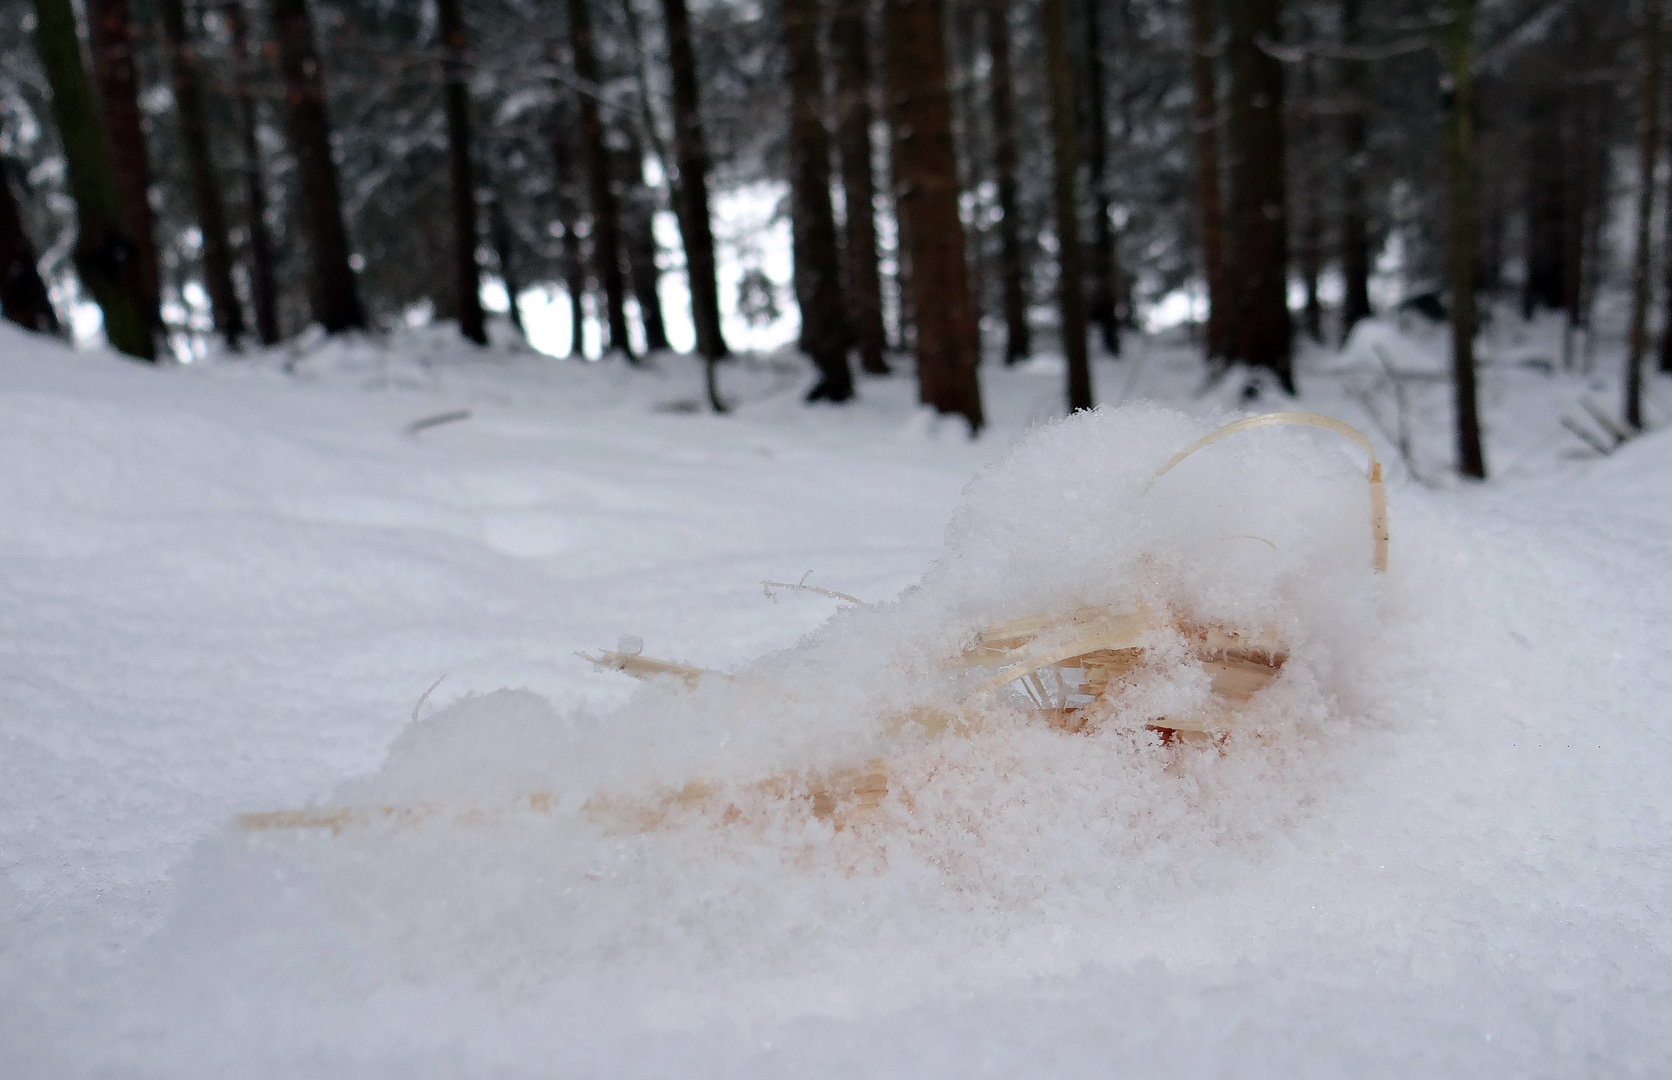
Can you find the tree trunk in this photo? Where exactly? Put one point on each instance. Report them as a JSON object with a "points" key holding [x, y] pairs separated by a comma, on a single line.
{"points": [[1071, 297], [571, 256], [105, 254], [690, 149], [264, 290], [1460, 167], [850, 45], [606, 228], [1355, 229], [639, 220], [818, 290], [200, 168], [1012, 262], [23, 295], [467, 276], [1209, 207], [499, 232], [1312, 218], [335, 294], [926, 204], [111, 35], [1260, 249], [1103, 308], [1648, 153]]}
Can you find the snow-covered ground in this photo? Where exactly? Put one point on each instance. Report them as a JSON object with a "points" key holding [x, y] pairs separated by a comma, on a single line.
{"points": [[225, 587]]}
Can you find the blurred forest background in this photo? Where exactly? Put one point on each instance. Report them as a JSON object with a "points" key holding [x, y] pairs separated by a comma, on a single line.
{"points": [[1038, 175]]}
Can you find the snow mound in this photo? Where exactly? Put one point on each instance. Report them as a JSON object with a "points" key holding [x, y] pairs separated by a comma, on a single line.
{"points": [[1018, 835]]}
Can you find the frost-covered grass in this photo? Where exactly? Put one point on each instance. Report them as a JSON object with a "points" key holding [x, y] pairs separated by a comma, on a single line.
{"points": [[223, 588]]}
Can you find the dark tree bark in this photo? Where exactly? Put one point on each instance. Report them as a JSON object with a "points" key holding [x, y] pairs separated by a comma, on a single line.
{"points": [[1312, 216], [1648, 153], [264, 288], [818, 290], [335, 294], [23, 295], [850, 45], [1260, 328], [106, 257], [1210, 215], [638, 206], [606, 229], [1354, 225], [1103, 281], [1546, 211], [499, 232], [1013, 267], [571, 256], [926, 203], [1071, 297], [467, 277], [200, 168], [690, 149], [111, 35], [1460, 151]]}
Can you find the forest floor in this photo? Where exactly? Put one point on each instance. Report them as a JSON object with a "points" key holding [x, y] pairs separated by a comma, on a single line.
{"points": [[225, 588]]}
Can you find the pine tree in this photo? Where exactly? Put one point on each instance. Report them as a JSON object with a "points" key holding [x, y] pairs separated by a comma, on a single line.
{"points": [[335, 294], [1460, 151], [1354, 225], [467, 279], [1103, 282], [1648, 153], [1013, 267], [606, 227], [106, 257], [818, 290], [264, 288], [691, 154], [23, 295], [200, 169], [850, 46], [1071, 297], [111, 34], [1210, 216], [1259, 273], [926, 203]]}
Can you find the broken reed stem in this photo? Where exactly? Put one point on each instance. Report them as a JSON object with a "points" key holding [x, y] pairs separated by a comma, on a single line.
{"points": [[768, 586]]}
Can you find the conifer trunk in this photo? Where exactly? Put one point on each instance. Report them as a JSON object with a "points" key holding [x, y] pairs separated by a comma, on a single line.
{"points": [[818, 290], [499, 233], [1355, 228], [1460, 150], [111, 35], [23, 295], [690, 149], [606, 227], [200, 169], [850, 44], [926, 204], [467, 278], [1312, 217], [1012, 261], [1071, 297], [639, 222], [334, 292], [1210, 214], [571, 257], [1648, 152], [1103, 285], [1260, 327], [264, 289], [105, 254]]}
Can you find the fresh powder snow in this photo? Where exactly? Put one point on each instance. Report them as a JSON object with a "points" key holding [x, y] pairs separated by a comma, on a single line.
{"points": [[232, 587]]}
